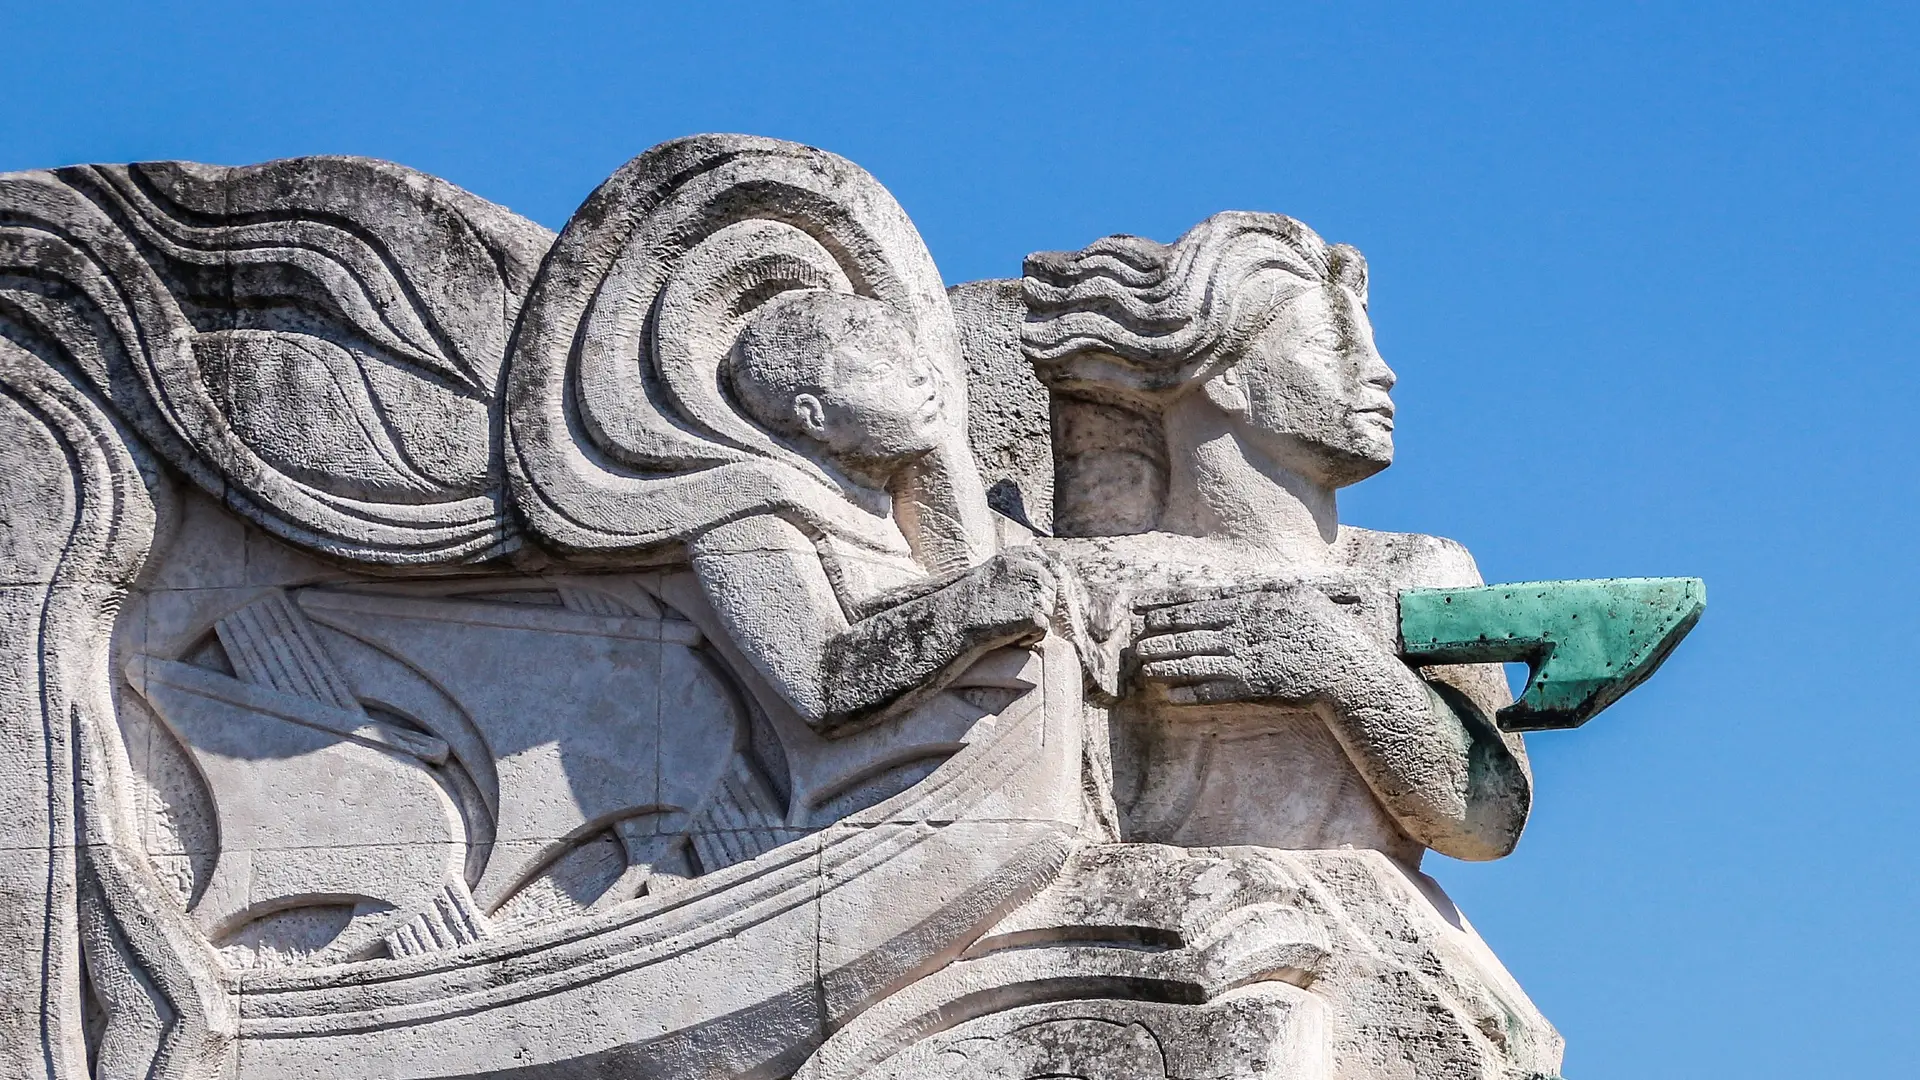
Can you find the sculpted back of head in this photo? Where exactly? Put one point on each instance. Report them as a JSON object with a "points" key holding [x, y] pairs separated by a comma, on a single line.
{"points": [[1250, 320]]}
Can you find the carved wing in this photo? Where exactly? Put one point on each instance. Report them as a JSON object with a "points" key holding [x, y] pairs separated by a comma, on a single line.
{"points": [[664, 264], [317, 341]]}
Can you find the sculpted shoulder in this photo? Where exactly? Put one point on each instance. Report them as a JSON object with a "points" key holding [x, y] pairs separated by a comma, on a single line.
{"points": [[1407, 560]]}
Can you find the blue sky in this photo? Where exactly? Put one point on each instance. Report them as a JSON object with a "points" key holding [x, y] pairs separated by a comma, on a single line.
{"points": [[1650, 276]]}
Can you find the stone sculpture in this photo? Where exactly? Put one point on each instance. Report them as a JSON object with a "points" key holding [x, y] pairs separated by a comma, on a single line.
{"points": [[700, 644]]}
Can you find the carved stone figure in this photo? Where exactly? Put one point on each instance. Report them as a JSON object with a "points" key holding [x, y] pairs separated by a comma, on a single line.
{"points": [[1264, 702], [699, 644]]}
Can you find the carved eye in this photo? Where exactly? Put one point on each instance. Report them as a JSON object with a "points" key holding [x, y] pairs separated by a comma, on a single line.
{"points": [[1326, 338]]}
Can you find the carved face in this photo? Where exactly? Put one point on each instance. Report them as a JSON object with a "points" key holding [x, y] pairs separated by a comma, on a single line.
{"points": [[882, 403], [844, 373], [1312, 390]]}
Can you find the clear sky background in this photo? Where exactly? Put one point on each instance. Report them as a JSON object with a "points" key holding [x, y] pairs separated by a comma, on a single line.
{"points": [[1650, 277]]}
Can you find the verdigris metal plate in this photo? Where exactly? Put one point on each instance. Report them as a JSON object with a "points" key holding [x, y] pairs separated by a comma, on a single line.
{"points": [[1587, 642]]}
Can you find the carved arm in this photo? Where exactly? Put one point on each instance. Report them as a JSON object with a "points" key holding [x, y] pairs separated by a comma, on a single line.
{"points": [[1428, 751], [765, 580]]}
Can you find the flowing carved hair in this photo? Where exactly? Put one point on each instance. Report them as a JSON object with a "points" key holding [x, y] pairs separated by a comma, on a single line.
{"points": [[1130, 316], [1124, 325]]}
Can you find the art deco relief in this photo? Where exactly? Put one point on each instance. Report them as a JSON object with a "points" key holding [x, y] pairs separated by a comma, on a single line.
{"points": [[701, 644]]}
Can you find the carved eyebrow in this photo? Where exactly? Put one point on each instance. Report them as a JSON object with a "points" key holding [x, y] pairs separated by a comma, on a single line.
{"points": [[1328, 327], [867, 363], [1347, 317], [1277, 304]]}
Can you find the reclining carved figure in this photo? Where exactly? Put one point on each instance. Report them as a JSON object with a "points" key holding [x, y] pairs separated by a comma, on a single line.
{"points": [[560, 623]]}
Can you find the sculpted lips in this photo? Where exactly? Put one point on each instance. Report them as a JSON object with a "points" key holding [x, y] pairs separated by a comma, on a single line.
{"points": [[934, 404], [1379, 414]]}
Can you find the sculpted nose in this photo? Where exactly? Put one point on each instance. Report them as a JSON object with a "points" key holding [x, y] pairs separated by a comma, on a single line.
{"points": [[1374, 370]]}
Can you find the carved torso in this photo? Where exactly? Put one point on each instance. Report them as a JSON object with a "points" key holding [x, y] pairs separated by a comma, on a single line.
{"points": [[1271, 775]]}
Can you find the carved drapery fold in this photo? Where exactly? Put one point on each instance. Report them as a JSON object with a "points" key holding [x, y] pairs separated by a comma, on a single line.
{"points": [[315, 342], [94, 903]]}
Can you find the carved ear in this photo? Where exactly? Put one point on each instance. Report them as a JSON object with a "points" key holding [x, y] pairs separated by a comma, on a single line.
{"points": [[811, 416], [663, 264], [1227, 392]]}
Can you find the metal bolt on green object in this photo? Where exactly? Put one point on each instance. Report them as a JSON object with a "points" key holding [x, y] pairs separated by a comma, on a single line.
{"points": [[1587, 643]]}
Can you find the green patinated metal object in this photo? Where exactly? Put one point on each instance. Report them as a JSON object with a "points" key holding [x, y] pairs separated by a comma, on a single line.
{"points": [[1586, 642]]}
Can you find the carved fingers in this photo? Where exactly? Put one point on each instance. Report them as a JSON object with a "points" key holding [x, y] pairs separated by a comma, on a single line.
{"points": [[1194, 666], [1290, 645], [1017, 592], [1214, 614], [1174, 647]]}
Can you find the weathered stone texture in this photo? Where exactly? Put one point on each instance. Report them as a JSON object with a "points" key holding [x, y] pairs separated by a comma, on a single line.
{"points": [[701, 644]]}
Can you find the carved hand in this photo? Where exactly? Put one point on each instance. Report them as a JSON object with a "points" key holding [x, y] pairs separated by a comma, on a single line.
{"points": [[1438, 765], [1289, 645], [1013, 595], [915, 644]]}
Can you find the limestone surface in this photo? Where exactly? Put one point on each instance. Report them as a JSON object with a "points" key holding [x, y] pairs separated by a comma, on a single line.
{"points": [[701, 644]]}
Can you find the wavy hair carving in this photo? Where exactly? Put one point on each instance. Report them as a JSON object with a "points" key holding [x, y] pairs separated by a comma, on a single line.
{"points": [[1141, 318]]}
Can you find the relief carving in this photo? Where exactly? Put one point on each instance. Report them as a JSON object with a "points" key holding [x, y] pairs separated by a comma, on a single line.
{"points": [[700, 644]]}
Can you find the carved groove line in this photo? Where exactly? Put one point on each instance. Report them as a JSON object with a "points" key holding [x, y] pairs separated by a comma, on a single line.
{"points": [[107, 540], [413, 331], [86, 248], [271, 644]]}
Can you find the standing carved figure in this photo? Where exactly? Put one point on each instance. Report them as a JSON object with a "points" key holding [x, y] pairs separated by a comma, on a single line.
{"points": [[1265, 770], [1211, 398]]}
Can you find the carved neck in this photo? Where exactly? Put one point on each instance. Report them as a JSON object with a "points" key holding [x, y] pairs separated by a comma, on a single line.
{"points": [[1225, 489], [939, 506]]}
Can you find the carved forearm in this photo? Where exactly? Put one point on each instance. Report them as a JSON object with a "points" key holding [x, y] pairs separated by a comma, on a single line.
{"points": [[903, 653], [1499, 783], [1436, 761], [1428, 752]]}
